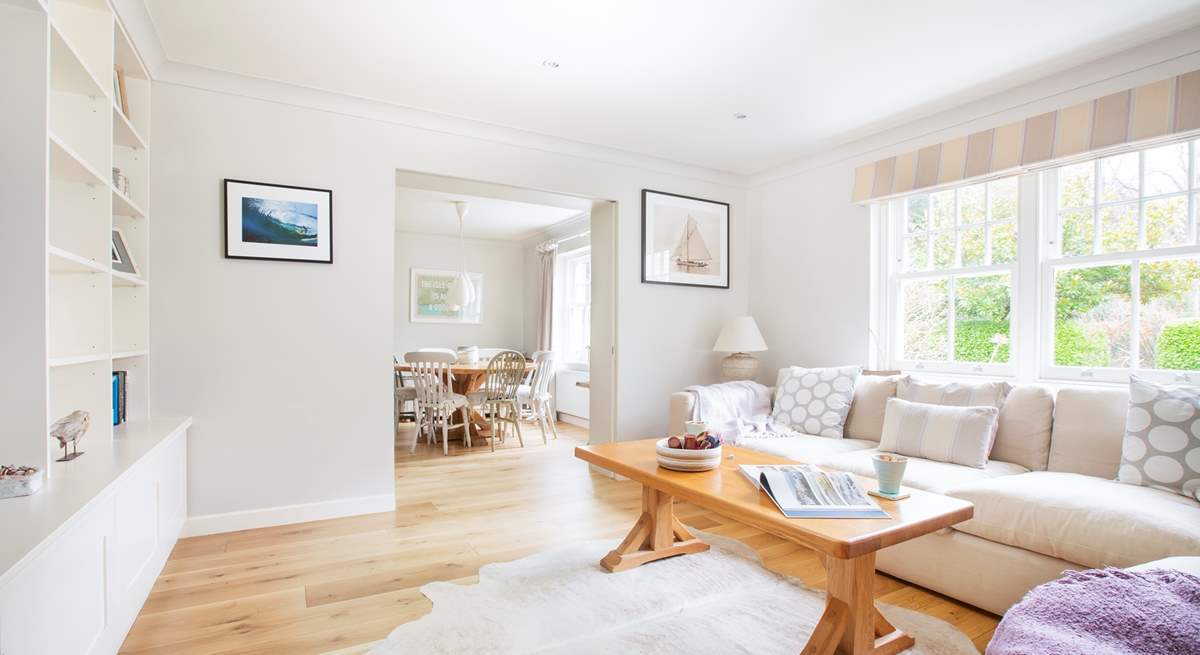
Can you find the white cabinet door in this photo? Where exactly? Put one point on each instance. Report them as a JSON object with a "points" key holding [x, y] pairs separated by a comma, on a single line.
{"points": [[57, 605], [172, 503], [135, 530]]}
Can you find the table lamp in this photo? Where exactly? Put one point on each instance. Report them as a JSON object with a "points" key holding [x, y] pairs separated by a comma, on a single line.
{"points": [[739, 336]]}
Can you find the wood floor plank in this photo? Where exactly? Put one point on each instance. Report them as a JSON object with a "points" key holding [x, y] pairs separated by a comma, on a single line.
{"points": [[336, 587]]}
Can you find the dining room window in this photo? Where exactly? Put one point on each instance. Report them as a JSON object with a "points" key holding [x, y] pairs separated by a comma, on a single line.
{"points": [[573, 327]]}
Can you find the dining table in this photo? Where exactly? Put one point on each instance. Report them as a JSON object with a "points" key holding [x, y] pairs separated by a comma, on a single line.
{"points": [[464, 379]]}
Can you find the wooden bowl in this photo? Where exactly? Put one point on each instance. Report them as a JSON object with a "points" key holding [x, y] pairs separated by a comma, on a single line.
{"points": [[679, 459]]}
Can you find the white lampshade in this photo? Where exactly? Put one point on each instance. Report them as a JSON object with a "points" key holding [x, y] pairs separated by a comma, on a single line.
{"points": [[740, 335], [461, 292]]}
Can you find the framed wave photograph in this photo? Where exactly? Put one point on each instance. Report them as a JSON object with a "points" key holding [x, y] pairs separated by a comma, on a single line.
{"points": [[685, 240], [276, 221]]}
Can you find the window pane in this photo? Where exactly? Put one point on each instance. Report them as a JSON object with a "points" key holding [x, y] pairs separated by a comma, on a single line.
{"points": [[972, 240], [1167, 222], [918, 213], [1167, 169], [1092, 316], [1119, 177], [943, 209], [943, 250], [1003, 197], [1119, 228], [1077, 232], [1004, 243], [982, 308], [926, 313], [916, 253], [972, 207], [1075, 185], [1169, 317]]}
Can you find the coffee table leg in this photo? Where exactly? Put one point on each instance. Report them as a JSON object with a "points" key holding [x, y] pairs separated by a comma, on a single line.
{"points": [[851, 624], [657, 534]]}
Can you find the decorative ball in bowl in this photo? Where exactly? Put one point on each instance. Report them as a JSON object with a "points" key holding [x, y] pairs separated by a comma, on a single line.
{"points": [[700, 452]]}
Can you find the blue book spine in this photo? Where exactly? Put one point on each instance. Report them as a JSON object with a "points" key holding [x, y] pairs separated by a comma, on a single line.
{"points": [[115, 396]]}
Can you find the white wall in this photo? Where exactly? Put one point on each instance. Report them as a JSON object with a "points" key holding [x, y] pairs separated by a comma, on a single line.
{"points": [[811, 261], [286, 366], [502, 265]]}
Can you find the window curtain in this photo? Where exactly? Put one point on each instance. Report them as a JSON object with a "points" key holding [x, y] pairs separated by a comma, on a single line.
{"points": [[547, 253]]}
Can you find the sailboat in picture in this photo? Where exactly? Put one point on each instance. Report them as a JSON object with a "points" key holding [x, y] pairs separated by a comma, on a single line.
{"points": [[691, 253]]}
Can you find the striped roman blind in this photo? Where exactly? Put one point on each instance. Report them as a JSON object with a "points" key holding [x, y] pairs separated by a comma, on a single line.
{"points": [[1151, 111]]}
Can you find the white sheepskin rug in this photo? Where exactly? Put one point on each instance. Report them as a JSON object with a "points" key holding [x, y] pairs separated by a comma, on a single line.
{"points": [[561, 601]]}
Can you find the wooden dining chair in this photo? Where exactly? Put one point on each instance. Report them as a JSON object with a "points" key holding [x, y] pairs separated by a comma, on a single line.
{"points": [[497, 397], [535, 399], [436, 400]]}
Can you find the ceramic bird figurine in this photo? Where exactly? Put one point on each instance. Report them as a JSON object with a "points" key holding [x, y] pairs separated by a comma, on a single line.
{"points": [[69, 430]]}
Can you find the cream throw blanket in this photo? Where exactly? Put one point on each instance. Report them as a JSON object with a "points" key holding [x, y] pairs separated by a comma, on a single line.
{"points": [[737, 409]]}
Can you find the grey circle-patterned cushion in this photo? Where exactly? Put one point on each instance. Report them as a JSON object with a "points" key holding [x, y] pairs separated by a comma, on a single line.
{"points": [[1162, 438], [815, 400]]}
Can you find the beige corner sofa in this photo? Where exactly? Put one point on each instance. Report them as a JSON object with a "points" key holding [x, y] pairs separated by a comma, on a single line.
{"points": [[1047, 500]]}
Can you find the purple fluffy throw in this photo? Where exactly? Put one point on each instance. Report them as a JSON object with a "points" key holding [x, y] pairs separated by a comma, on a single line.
{"points": [[1105, 612]]}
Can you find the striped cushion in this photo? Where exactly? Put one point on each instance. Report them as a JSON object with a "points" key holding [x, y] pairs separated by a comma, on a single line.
{"points": [[943, 433]]}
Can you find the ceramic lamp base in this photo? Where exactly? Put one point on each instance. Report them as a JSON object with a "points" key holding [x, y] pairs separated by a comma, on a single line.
{"points": [[739, 366]]}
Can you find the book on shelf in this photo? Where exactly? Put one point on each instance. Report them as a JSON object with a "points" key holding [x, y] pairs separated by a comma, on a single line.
{"points": [[803, 491], [119, 404]]}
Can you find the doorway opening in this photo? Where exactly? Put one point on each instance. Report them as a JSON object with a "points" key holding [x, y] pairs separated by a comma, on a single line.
{"points": [[501, 295]]}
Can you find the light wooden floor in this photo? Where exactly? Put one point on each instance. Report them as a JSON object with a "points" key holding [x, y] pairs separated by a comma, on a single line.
{"points": [[338, 586]]}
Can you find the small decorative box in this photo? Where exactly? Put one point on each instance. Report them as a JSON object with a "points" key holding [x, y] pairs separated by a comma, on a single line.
{"points": [[20, 481]]}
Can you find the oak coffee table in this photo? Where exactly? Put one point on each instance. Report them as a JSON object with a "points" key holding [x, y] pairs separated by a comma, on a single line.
{"points": [[850, 624]]}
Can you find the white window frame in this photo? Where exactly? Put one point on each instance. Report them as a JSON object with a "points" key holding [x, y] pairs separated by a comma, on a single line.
{"points": [[1055, 261], [1033, 303], [563, 306], [894, 219]]}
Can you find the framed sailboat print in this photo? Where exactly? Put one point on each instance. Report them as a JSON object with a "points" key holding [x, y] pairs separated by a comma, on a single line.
{"points": [[685, 240]]}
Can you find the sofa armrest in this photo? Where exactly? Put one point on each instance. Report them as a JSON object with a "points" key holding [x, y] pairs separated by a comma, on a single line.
{"points": [[681, 409]]}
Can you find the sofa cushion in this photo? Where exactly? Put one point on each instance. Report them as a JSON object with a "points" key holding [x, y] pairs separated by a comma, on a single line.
{"points": [[1023, 434], [1162, 437], [814, 400], [959, 394], [1081, 518], [924, 474], [804, 448], [871, 393], [959, 435], [1089, 425]]}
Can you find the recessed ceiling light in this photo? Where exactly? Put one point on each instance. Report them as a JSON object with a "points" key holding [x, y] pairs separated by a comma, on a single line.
{"points": [[741, 116], [549, 63]]}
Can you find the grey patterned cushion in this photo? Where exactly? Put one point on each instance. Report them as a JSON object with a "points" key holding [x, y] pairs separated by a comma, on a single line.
{"points": [[1162, 438], [814, 400]]}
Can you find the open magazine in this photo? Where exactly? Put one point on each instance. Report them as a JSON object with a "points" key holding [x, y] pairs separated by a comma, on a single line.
{"points": [[802, 491]]}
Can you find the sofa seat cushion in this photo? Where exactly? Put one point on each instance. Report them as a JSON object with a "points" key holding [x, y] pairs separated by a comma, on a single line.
{"points": [[804, 447], [1083, 519], [924, 474]]}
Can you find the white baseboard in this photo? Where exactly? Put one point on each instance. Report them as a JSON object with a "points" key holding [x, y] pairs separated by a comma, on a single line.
{"points": [[574, 420], [285, 514]]}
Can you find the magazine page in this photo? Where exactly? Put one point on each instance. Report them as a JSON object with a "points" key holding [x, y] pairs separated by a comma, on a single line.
{"points": [[802, 491]]}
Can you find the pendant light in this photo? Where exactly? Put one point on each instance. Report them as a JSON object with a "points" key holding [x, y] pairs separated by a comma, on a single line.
{"points": [[461, 292]]}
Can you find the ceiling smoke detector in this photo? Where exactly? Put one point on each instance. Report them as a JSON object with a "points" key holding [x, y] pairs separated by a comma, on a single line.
{"points": [[550, 63], [741, 116]]}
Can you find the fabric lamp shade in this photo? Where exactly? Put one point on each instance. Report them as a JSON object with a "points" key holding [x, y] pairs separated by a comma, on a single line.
{"points": [[740, 335]]}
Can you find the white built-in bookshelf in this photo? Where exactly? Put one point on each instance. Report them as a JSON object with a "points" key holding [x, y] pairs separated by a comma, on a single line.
{"points": [[63, 115]]}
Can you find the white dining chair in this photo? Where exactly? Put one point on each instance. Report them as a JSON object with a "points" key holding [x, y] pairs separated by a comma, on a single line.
{"points": [[436, 400], [535, 399], [497, 397], [404, 395]]}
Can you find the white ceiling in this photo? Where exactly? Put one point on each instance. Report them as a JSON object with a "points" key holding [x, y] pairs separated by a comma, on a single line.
{"points": [[432, 212], [663, 78]]}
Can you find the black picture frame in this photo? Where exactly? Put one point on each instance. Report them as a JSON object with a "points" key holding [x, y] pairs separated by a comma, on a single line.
{"points": [[225, 220], [727, 243]]}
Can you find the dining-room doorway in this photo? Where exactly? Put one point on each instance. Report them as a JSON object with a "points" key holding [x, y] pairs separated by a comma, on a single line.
{"points": [[492, 283]]}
